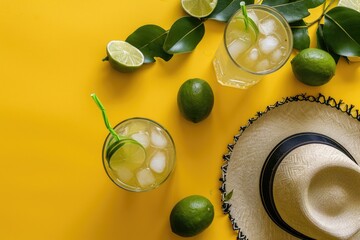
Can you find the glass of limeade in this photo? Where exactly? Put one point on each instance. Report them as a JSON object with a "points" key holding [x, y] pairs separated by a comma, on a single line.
{"points": [[140, 174], [247, 54]]}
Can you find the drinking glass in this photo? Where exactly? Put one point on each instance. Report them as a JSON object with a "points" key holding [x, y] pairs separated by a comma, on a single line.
{"points": [[142, 175], [244, 57]]}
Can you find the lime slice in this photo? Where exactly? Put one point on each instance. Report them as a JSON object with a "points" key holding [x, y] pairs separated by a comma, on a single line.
{"points": [[123, 56], [249, 22], [354, 4], [249, 25], [199, 8], [128, 152], [113, 147]]}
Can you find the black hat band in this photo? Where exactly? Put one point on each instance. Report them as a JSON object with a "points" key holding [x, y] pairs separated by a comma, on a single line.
{"points": [[273, 161]]}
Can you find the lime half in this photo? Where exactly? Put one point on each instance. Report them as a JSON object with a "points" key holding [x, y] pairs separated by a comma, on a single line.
{"points": [[199, 8], [125, 152], [123, 56]]}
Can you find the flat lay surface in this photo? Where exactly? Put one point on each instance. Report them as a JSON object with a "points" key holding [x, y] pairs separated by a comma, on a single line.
{"points": [[52, 180]]}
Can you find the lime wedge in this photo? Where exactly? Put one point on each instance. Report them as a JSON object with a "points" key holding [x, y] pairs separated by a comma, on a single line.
{"points": [[123, 56], [127, 151], [199, 8]]}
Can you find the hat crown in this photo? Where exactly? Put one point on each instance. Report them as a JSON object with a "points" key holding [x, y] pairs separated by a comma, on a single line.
{"points": [[316, 191], [242, 173]]}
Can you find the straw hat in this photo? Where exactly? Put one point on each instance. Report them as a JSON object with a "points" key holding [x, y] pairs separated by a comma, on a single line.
{"points": [[293, 172]]}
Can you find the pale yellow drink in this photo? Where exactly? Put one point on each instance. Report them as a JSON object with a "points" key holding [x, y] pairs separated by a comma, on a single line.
{"points": [[245, 55], [141, 174]]}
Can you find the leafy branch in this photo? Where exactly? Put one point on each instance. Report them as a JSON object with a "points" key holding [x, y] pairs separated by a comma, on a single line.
{"points": [[339, 35]]}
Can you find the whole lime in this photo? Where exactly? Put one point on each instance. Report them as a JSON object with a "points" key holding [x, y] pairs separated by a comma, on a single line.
{"points": [[191, 215], [313, 66], [195, 99]]}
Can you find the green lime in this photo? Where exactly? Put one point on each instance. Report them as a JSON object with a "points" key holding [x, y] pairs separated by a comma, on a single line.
{"points": [[191, 215], [195, 99], [125, 151], [123, 56], [199, 8], [313, 66]]}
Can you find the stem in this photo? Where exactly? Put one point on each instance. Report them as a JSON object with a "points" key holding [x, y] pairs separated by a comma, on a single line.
{"points": [[325, 8], [107, 124], [298, 27]]}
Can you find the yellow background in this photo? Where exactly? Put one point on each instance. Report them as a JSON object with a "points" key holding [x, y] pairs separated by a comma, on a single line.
{"points": [[52, 182]]}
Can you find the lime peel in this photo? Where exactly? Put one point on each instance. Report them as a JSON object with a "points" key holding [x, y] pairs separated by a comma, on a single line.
{"points": [[191, 216], [313, 66]]}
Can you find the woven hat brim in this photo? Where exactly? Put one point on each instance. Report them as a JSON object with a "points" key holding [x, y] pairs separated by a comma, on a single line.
{"points": [[246, 156]]}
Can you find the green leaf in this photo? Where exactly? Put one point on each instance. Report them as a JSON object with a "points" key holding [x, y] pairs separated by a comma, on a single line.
{"points": [[300, 35], [226, 8], [184, 35], [293, 10], [322, 45], [274, 2], [228, 196], [342, 32], [149, 39]]}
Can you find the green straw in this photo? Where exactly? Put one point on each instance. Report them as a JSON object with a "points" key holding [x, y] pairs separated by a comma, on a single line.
{"points": [[107, 124], [244, 13]]}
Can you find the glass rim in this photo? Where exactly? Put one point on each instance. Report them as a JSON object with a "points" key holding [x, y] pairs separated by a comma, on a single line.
{"points": [[125, 186], [287, 27]]}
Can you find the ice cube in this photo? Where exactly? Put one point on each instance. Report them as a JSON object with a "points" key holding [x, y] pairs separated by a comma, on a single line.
{"points": [[263, 65], [142, 138], [124, 174], [267, 26], [123, 130], [276, 56], [158, 162], [157, 138], [251, 57], [136, 126], [253, 54], [145, 177], [236, 48], [251, 14], [268, 44]]}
